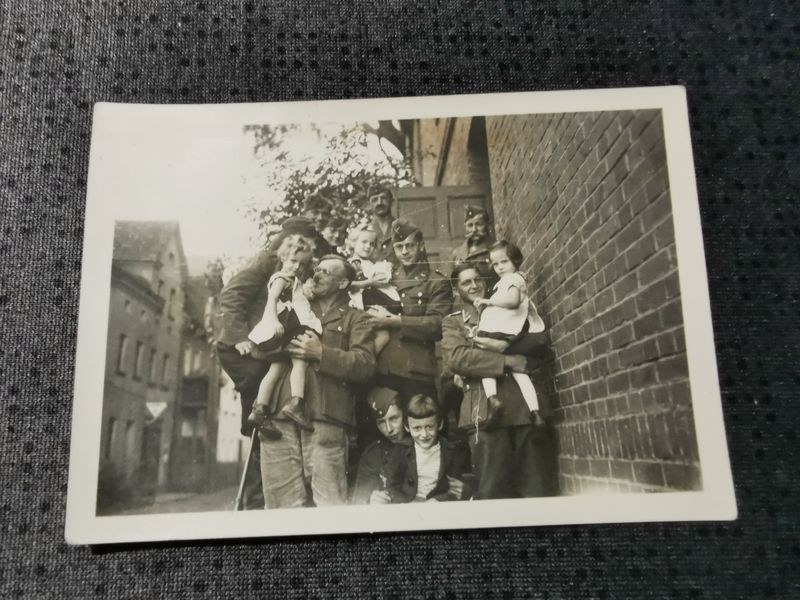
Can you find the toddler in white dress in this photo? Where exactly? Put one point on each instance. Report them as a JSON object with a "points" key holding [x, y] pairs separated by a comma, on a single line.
{"points": [[507, 315]]}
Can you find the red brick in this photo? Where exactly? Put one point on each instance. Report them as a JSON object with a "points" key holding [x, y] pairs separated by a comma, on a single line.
{"points": [[672, 368], [619, 382], [621, 470], [648, 473], [682, 477], [655, 268], [660, 436], [647, 325], [671, 314], [600, 468]]}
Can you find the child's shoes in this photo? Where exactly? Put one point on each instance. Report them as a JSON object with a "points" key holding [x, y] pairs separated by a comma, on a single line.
{"points": [[295, 410], [536, 418], [494, 408], [258, 420]]}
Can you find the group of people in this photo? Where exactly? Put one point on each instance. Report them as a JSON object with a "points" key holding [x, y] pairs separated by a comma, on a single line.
{"points": [[332, 349]]}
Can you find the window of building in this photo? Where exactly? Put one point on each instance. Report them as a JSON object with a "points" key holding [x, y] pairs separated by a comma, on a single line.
{"points": [[130, 441], [198, 360], [171, 303], [127, 305], [171, 258], [139, 372], [153, 367], [112, 427], [160, 287], [122, 354], [165, 370], [187, 359]]}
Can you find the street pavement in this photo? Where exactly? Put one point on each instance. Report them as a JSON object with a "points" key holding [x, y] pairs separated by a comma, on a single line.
{"points": [[180, 503]]}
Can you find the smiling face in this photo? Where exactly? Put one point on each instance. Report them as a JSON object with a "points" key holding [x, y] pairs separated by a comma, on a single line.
{"points": [[364, 244], [330, 277], [295, 252], [425, 431], [470, 286], [391, 424], [501, 264], [409, 251]]}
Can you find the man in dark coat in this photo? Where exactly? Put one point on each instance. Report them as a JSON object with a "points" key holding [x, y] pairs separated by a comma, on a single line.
{"points": [[341, 358], [241, 306], [408, 362], [512, 458], [370, 487]]}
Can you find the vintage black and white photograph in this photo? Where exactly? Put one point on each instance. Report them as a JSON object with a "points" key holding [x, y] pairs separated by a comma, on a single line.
{"points": [[400, 314]]}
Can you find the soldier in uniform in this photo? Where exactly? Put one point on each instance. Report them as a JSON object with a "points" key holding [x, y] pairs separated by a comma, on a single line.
{"points": [[408, 362], [370, 487], [512, 458], [475, 248], [380, 198]]}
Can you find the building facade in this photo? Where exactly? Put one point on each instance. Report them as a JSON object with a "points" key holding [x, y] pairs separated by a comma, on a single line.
{"points": [[586, 197], [142, 377]]}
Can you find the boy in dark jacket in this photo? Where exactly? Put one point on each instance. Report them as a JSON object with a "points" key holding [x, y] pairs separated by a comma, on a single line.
{"points": [[429, 467]]}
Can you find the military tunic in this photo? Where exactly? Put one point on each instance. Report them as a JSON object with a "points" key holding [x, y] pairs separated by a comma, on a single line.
{"points": [[372, 469], [514, 458], [384, 250], [426, 297]]}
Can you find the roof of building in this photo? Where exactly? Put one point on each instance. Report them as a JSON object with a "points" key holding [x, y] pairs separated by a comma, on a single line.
{"points": [[142, 240]]}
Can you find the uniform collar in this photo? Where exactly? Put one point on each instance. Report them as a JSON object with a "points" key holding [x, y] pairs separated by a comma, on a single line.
{"points": [[336, 310], [376, 225]]}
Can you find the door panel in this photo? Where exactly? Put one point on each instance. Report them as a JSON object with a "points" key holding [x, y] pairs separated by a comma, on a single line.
{"points": [[439, 214]]}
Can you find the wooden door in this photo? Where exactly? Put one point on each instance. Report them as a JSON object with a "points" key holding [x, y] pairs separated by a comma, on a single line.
{"points": [[439, 214]]}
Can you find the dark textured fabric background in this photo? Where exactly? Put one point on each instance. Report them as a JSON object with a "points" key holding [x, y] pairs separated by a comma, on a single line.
{"points": [[739, 62]]}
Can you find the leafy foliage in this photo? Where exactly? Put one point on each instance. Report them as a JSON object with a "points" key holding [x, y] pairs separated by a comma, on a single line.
{"points": [[336, 163]]}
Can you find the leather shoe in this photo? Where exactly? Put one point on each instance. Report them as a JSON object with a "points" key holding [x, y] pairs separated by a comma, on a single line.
{"points": [[494, 409], [295, 411]]}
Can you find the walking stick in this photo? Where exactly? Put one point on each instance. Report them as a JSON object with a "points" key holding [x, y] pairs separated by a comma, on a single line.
{"points": [[237, 505]]}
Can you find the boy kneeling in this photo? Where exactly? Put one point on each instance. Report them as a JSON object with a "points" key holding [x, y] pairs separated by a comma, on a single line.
{"points": [[430, 467]]}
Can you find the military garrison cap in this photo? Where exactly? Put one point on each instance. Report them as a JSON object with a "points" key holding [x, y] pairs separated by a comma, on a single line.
{"points": [[301, 225], [316, 202], [474, 211], [402, 228], [381, 399]]}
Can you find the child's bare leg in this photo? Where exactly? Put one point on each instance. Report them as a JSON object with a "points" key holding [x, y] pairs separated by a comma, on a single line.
{"points": [[258, 417], [295, 409], [528, 391], [381, 339], [267, 386], [489, 386], [297, 378]]}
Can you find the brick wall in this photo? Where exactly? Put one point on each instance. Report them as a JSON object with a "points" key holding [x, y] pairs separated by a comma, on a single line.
{"points": [[586, 197]]}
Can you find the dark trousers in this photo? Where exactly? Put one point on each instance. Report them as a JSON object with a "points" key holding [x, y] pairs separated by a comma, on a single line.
{"points": [[512, 462], [246, 373]]}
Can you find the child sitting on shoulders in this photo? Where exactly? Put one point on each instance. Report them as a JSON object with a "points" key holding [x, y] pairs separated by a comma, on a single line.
{"points": [[508, 315], [430, 467], [287, 314], [371, 286]]}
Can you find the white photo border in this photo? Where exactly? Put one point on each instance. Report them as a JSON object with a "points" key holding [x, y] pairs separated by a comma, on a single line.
{"points": [[716, 501]]}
